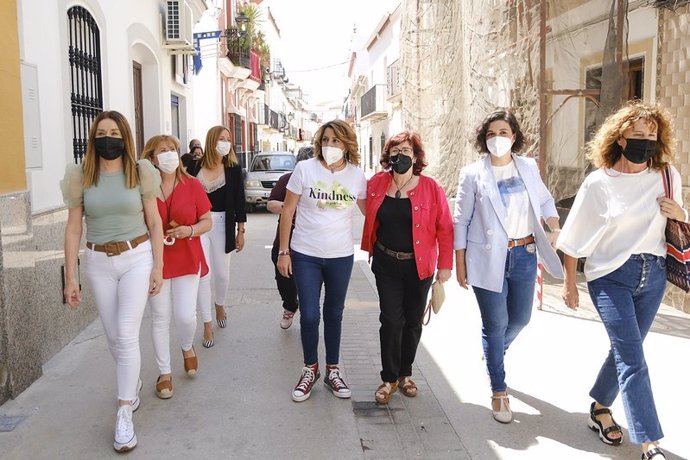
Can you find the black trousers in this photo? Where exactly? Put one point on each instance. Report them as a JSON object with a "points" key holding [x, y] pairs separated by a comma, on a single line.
{"points": [[402, 298], [286, 286]]}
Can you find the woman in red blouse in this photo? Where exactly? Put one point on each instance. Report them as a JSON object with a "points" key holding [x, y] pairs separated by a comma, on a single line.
{"points": [[408, 231], [185, 212]]}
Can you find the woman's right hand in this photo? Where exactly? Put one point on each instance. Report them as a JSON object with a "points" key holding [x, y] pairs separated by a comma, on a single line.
{"points": [[460, 269], [72, 294], [571, 296], [285, 265]]}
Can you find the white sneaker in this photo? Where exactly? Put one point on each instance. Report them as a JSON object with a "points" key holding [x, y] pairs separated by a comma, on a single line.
{"points": [[286, 322], [125, 439]]}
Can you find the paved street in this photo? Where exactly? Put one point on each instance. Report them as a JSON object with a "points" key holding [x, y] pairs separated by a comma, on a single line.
{"points": [[239, 405]]}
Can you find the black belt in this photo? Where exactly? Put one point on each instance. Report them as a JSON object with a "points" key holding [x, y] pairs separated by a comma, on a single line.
{"points": [[396, 254]]}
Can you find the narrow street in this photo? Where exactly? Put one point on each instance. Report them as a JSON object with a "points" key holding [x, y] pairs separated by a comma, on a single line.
{"points": [[239, 405]]}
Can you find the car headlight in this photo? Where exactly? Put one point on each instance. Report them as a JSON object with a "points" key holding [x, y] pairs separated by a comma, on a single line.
{"points": [[253, 184]]}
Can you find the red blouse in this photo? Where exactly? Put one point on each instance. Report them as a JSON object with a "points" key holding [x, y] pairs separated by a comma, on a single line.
{"points": [[186, 204]]}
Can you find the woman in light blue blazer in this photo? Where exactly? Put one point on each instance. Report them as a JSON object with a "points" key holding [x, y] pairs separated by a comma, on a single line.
{"points": [[499, 209]]}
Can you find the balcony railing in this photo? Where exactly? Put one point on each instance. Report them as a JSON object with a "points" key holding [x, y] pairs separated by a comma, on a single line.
{"points": [[393, 79], [240, 56], [373, 104], [274, 120]]}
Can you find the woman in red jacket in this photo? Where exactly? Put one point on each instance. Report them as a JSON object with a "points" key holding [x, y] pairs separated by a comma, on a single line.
{"points": [[408, 231]]}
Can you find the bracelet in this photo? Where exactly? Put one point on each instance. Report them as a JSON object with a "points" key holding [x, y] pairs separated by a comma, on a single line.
{"points": [[555, 230], [284, 253], [193, 231]]}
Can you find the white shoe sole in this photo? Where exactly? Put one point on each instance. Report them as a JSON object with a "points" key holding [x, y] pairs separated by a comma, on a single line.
{"points": [[336, 393], [301, 398], [126, 447]]}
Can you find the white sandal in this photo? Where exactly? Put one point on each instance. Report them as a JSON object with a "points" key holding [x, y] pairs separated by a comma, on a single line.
{"points": [[504, 414]]}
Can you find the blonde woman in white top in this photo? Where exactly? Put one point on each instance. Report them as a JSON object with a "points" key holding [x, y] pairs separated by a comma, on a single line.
{"points": [[617, 222]]}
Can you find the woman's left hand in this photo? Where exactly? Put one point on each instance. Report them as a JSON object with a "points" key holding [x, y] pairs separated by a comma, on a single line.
{"points": [[155, 281], [670, 209], [239, 241], [443, 275]]}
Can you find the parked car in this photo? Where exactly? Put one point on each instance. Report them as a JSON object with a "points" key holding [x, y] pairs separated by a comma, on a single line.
{"points": [[263, 173]]}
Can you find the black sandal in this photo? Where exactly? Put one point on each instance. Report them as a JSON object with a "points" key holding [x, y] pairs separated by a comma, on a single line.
{"points": [[653, 452], [596, 425]]}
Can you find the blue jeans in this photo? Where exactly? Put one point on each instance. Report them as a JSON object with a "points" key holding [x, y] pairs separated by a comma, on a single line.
{"points": [[505, 313], [627, 301], [310, 274]]}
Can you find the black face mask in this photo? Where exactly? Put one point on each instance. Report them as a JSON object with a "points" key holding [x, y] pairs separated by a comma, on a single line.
{"points": [[109, 148], [400, 163], [638, 151]]}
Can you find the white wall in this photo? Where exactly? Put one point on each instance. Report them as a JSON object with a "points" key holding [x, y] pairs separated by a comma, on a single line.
{"points": [[124, 36], [571, 50]]}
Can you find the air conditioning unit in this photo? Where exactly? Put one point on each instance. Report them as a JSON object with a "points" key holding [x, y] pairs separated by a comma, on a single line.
{"points": [[178, 25]]}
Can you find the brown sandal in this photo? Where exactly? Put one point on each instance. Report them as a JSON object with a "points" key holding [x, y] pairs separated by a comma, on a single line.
{"points": [[407, 387], [384, 392], [164, 388], [191, 363]]}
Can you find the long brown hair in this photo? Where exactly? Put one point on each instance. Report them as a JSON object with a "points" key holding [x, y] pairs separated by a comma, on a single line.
{"points": [[150, 150], [91, 160], [603, 150], [345, 134], [211, 156]]}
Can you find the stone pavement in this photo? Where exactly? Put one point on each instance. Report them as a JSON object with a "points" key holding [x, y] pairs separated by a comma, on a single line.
{"points": [[239, 406]]}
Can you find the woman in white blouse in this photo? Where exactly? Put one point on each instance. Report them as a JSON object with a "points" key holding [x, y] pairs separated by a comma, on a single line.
{"points": [[617, 222]]}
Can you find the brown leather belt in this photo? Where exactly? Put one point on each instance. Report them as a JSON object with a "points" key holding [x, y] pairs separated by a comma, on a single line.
{"points": [[521, 241], [115, 248], [396, 254]]}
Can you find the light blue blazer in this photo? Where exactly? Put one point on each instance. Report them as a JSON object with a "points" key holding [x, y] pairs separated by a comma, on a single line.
{"points": [[479, 222]]}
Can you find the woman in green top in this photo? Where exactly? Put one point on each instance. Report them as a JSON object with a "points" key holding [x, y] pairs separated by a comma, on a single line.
{"points": [[123, 260]]}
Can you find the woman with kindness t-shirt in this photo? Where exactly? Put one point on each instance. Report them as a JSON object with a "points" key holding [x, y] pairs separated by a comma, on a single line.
{"points": [[326, 190]]}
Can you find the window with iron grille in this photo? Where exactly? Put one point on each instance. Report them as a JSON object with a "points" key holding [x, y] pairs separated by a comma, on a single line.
{"points": [[86, 92]]}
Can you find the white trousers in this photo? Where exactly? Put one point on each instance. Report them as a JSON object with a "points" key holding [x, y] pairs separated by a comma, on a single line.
{"points": [[120, 287], [178, 296], [213, 286]]}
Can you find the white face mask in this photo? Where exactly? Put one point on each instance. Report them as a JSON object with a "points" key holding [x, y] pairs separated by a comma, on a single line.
{"points": [[331, 154], [168, 161], [499, 146], [223, 147]]}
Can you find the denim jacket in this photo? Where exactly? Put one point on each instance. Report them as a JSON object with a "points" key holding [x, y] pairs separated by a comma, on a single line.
{"points": [[432, 225]]}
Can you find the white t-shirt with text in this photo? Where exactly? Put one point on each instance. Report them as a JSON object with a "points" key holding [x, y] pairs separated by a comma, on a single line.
{"points": [[323, 227]]}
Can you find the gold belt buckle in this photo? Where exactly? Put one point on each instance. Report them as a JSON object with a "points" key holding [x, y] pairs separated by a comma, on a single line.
{"points": [[112, 249]]}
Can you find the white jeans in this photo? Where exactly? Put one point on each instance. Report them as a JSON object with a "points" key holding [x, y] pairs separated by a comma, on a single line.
{"points": [[177, 296], [120, 287], [213, 286]]}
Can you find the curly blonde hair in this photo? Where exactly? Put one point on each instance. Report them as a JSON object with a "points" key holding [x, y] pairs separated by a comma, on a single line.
{"points": [[604, 151], [345, 134]]}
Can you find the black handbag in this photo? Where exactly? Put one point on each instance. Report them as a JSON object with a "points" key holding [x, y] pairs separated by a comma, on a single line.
{"points": [[677, 243]]}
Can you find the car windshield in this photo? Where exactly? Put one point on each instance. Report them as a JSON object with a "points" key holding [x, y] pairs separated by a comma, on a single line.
{"points": [[274, 163]]}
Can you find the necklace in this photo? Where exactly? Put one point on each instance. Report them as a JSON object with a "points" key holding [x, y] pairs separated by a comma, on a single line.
{"points": [[338, 166], [169, 240], [397, 192]]}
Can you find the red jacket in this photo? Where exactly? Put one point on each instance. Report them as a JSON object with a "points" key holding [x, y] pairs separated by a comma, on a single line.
{"points": [[432, 225]]}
